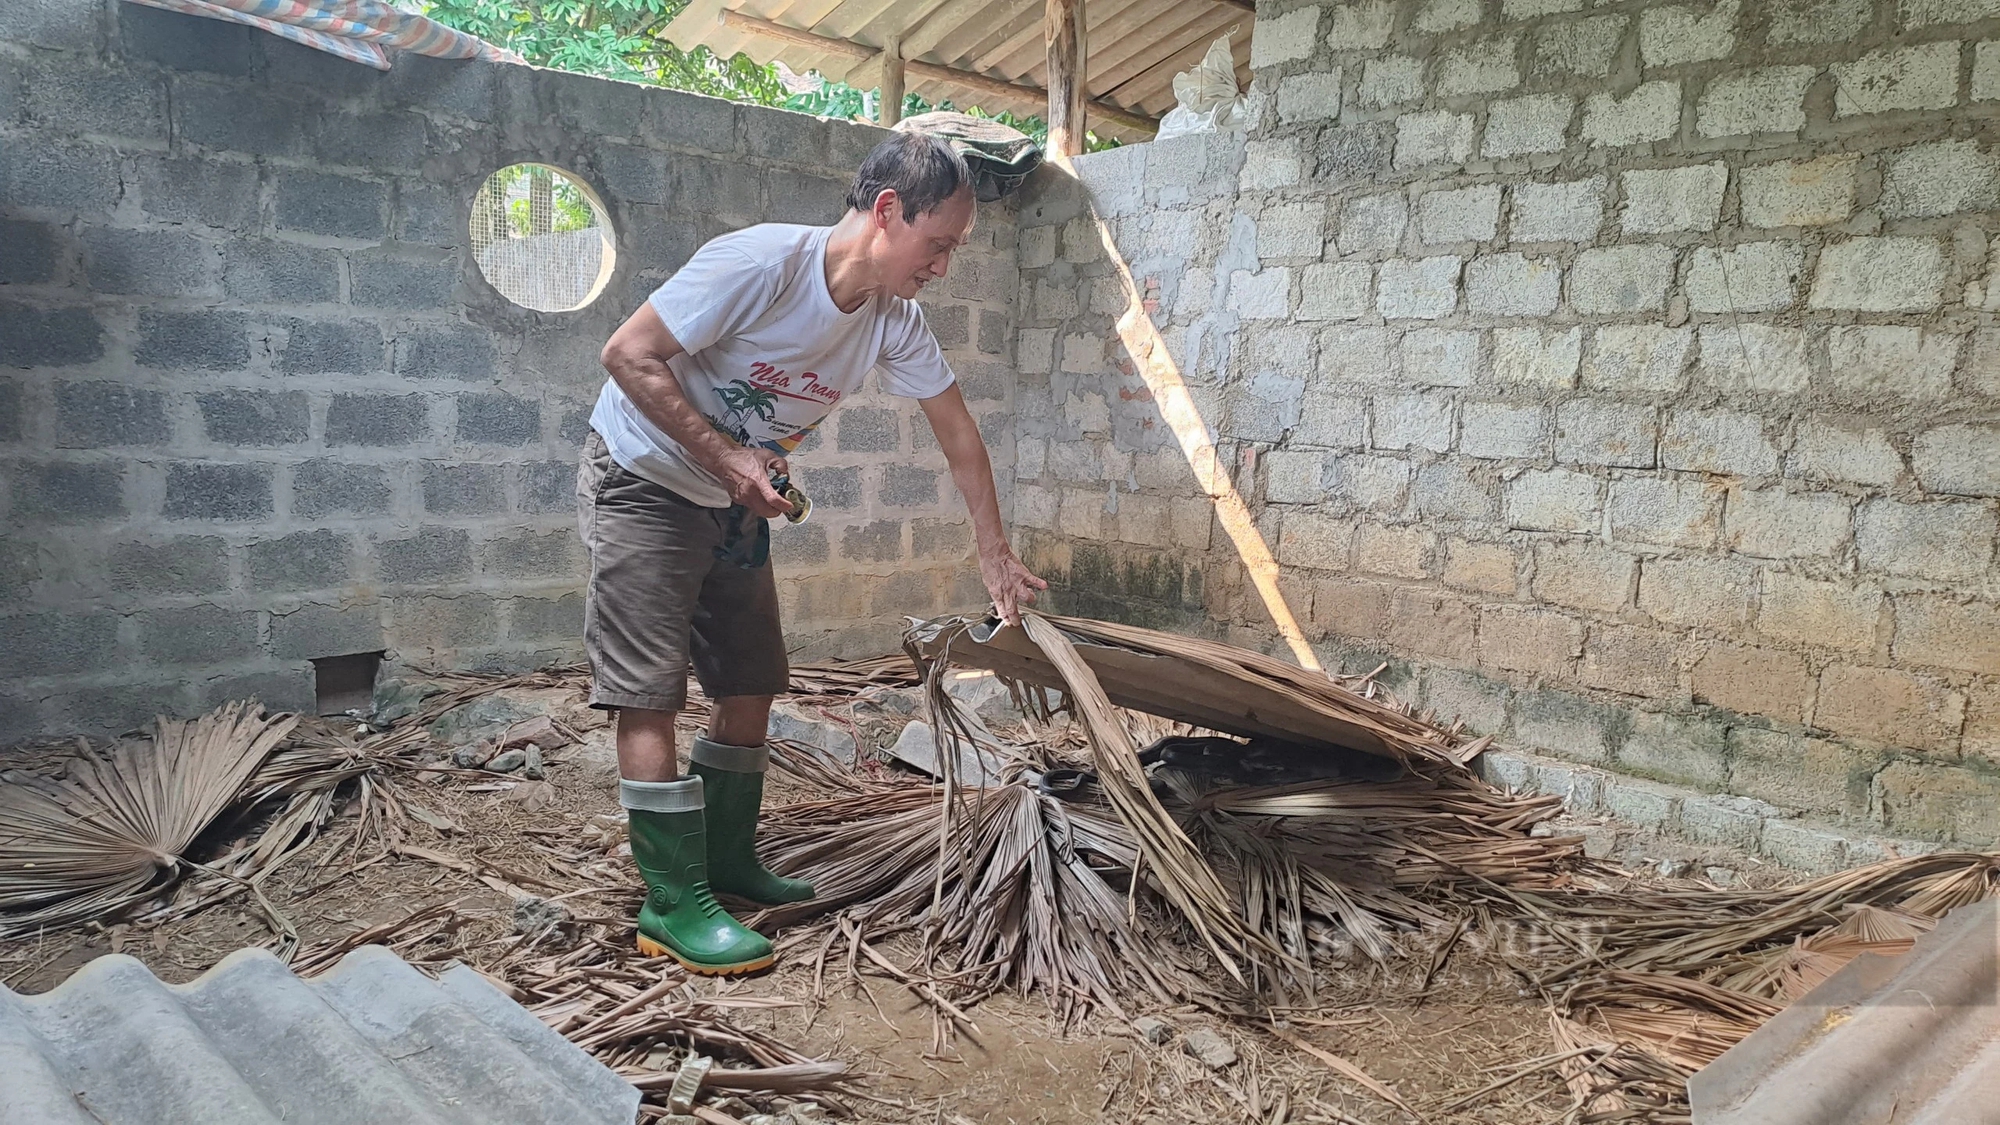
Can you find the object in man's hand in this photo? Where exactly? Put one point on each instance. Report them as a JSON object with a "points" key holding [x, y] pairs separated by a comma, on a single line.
{"points": [[801, 505]]}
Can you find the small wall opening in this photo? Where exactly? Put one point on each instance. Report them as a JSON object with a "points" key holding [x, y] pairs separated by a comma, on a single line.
{"points": [[542, 237], [344, 684]]}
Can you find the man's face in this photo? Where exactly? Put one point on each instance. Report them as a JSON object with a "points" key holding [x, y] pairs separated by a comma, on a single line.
{"points": [[920, 250]]}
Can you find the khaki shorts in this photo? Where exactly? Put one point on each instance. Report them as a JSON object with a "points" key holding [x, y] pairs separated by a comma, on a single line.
{"points": [[660, 601]]}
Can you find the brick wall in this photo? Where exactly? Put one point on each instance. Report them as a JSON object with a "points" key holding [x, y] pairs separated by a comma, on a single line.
{"points": [[256, 405], [1625, 377]]}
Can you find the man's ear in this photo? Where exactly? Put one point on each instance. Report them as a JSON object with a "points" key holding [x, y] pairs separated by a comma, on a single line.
{"points": [[888, 205]]}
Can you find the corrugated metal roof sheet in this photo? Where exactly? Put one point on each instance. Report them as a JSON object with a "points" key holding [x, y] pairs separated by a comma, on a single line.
{"points": [[1912, 1039], [248, 1043]]}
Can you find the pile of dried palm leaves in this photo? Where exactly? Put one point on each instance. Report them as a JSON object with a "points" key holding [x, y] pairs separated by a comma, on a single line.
{"points": [[1103, 896], [97, 831], [1667, 980], [207, 810], [1098, 899], [109, 829], [1023, 897], [1167, 883]]}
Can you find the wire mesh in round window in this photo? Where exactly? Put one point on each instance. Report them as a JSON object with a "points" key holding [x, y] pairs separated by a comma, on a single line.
{"points": [[541, 237]]}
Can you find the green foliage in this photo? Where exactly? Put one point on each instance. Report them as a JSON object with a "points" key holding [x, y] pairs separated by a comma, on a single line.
{"points": [[569, 209], [621, 39], [611, 39]]}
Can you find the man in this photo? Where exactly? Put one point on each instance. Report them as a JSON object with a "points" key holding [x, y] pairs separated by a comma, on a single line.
{"points": [[723, 372]]}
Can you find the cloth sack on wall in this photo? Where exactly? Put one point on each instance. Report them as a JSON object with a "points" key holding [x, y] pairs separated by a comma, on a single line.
{"points": [[356, 30], [1207, 95], [1000, 156]]}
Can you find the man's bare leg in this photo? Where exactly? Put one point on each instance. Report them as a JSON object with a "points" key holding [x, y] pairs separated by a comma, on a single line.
{"points": [[738, 720], [646, 738], [646, 745]]}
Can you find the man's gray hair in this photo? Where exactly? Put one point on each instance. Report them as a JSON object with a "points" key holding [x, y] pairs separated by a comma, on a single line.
{"points": [[922, 170]]}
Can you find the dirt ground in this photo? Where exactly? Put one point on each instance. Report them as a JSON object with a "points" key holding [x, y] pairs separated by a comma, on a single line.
{"points": [[1473, 1025]]}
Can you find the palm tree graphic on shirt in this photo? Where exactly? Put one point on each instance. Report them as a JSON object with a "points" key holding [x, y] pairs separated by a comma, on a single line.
{"points": [[742, 398]]}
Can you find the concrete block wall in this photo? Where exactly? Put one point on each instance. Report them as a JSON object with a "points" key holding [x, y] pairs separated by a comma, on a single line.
{"points": [[257, 406], [1626, 374], [1106, 505]]}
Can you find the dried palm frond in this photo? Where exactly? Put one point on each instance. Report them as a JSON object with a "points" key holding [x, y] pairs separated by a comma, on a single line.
{"points": [[119, 823], [309, 773], [1695, 931], [1684, 1021], [1682, 976], [852, 677], [1024, 901], [1204, 682], [1612, 1081], [1294, 862], [1789, 972], [1167, 856]]}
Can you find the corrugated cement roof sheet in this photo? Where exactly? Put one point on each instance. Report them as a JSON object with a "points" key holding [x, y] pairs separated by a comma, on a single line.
{"points": [[1912, 1039], [248, 1043], [1135, 47]]}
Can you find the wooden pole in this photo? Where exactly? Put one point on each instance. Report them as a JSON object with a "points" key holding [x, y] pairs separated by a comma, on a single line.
{"points": [[1062, 31], [893, 74]]}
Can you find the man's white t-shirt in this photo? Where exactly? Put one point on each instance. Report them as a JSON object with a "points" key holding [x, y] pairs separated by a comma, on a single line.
{"points": [[768, 354]]}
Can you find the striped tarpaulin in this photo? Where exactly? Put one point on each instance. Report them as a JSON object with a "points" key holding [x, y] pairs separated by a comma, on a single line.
{"points": [[357, 30]]}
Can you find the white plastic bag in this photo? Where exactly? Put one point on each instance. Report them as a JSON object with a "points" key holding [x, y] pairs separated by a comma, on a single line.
{"points": [[1207, 96]]}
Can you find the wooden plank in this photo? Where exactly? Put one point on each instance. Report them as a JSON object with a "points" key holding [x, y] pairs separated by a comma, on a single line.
{"points": [[1035, 95], [796, 36], [1062, 27]]}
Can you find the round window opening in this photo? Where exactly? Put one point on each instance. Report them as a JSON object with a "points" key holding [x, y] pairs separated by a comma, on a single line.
{"points": [[541, 237]]}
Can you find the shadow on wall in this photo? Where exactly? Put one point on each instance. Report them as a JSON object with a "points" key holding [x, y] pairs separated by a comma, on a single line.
{"points": [[1126, 495], [1139, 350]]}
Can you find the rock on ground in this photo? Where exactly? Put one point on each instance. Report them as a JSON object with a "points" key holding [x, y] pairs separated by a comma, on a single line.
{"points": [[533, 915], [484, 717], [795, 724], [1212, 1049]]}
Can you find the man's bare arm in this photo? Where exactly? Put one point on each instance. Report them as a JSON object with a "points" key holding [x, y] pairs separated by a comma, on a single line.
{"points": [[1010, 583], [636, 356]]}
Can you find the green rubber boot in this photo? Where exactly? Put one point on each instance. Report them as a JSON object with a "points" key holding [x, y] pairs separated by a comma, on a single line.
{"points": [[733, 779], [681, 918]]}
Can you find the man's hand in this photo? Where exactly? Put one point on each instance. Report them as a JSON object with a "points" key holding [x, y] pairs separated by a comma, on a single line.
{"points": [[746, 473], [1012, 585]]}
